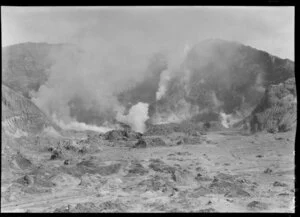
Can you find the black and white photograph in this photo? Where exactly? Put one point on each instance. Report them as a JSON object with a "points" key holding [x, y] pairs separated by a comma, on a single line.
{"points": [[148, 109]]}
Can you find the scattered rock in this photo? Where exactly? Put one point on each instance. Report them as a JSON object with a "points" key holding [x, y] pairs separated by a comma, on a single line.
{"points": [[66, 162], [150, 142], [126, 134], [259, 156], [199, 192], [91, 167], [268, 171], [191, 140], [83, 150], [284, 194], [180, 142], [279, 184], [202, 178], [140, 144], [226, 184], [208, 210], [56, 154], [42, 181], [155, 183], [159, 166], [224, 176], [113, 206], [63, 209], [22, 162], [87, 207], [278, 138], [183, 153], [237, 193], [183, 127], [137, 169], [256, 205], [109, 170], [115, 135], [25, 180]]}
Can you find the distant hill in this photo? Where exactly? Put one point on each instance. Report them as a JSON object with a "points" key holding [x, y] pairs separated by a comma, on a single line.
{"points": [[25, 66]]}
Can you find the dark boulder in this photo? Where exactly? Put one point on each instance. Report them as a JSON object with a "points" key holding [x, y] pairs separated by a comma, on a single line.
{"points": [[141, 144], [114, 135], [56, 154]]}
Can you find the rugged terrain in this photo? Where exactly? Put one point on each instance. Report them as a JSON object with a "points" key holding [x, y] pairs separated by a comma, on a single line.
{"points": [[214, 76], [197, 163], [122, 172]]}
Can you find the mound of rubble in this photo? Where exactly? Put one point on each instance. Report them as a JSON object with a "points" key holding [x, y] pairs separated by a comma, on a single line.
{"points": [[191, 129], [154, 183], [176, 174], [22, 162], [136, 168], [91, 167], [231, 186], [127, 135], [90, 207], [150, 142], [277, 111]]}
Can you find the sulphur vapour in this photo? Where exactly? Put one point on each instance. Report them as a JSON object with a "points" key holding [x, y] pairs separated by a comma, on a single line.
{"points": [[136, 117]]}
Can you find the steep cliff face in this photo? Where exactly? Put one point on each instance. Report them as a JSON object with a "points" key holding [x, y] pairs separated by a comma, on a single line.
{"points": [[20, 117], [277, 111]]}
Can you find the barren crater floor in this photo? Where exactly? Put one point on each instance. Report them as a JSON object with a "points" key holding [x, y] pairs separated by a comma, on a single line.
{"points": [[226, 172]]}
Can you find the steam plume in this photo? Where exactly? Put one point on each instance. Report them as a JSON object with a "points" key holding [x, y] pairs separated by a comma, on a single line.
{"points": [[85, 79], [227, 120], [136, 117], [163, 82], [175, 63], [74, 125]]}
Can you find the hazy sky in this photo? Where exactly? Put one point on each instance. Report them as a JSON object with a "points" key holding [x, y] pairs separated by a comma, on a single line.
{"points": [[265, 28]]}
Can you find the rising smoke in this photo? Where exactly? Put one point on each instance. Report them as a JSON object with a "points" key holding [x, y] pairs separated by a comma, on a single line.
{"points": [[163, 84], [176, 63], [86, 78], [136, 118]]}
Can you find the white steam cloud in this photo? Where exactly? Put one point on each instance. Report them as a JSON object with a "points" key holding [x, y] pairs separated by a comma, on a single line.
{"points": [[74, 125], [227, 120], [136, 118], [85, 79], [163, 84], [175, 63], [215, 100]]}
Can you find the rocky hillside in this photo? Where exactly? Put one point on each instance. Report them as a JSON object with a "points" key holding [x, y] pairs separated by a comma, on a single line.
{"points": [[216, 76], [221, 76], [277, 111], [20, 117], [26, 66]]}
